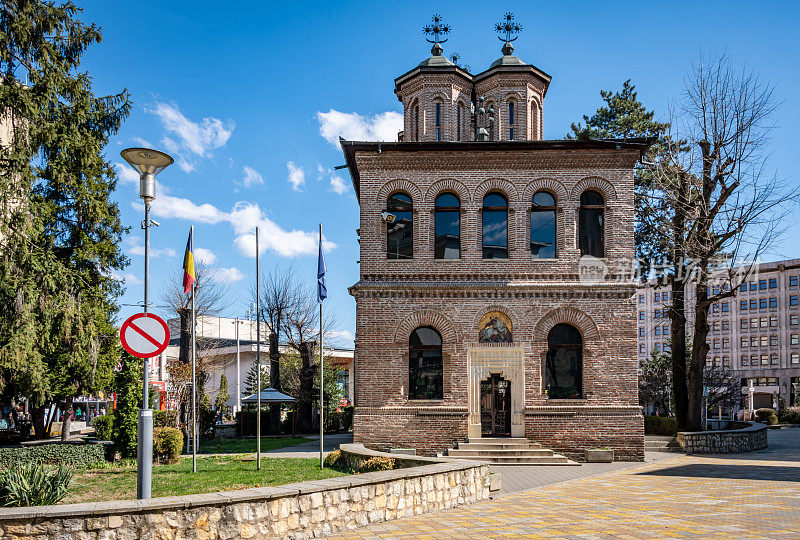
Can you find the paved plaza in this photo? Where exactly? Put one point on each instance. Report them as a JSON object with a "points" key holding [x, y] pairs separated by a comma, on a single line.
{"points": [[754, 495]]}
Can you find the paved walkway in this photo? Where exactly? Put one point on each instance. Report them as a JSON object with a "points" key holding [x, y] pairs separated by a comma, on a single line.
{"points": [[753, 495]]}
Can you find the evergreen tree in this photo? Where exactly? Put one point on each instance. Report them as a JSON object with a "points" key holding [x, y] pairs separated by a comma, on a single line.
{"points": [[222, 395], [251, 379], [129, 398], [59, 230]]}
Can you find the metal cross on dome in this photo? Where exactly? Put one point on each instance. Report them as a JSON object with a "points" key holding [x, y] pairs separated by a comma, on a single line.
{"points": [[509, 28], [437, 30]]}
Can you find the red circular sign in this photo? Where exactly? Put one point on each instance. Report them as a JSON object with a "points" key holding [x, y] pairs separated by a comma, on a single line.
{"points": [[144, 335]]}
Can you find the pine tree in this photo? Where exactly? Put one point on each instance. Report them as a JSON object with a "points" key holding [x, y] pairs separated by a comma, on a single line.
{"points": [[60, 231], [128, 387], [222, 395], [251, 381]]}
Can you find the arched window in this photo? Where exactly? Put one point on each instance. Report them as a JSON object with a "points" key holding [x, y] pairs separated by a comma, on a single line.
{"points": [[438, 119], [564, 369], [543, 226], [459, 120], [425, 364], [495, 226], [590, 224], [511, 120], [400, 232], [534, 121], [416, 121], [490, 110], [447, 227]]}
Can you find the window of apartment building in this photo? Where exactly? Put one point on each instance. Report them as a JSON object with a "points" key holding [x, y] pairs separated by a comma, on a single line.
{"points": [[773, 283], [743, 304], [762, 303], [753, 304], [795, 358], [641, 315], [726, 361], [794, 318], [764, 359], [745, 359], [773, 359], [773, 321], [715, 325], [753, 286], [656, 313], [792, 281], [641, 299], [657, 347], [753, 359], [745, 341], [773, 340], [754, 323], [665, 296], [743, 324], [754, 341], [726, 324], [714, 308], [794, 339], [714, 290], [641, 332], [665, 330], [666, 347], [657, 330], [764, 340], [641, 348], [763, 322], [716, 343], [773, 302], [726, 307], [743, 287], [793, 300], [762, 284], [726, 343]]}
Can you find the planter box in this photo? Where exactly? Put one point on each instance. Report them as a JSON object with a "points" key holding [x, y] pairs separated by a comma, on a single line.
{"points": [[598, 456]]}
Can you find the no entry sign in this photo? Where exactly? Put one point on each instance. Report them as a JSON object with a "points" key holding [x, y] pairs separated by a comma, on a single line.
{"points": [[144, 335]]}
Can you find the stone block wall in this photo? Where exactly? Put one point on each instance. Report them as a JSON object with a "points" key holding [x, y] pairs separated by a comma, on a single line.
{"points": [[748, 438], [302, 510]]}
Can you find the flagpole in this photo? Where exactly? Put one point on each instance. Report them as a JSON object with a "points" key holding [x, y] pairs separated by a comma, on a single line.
{"points": [[194, 382], [321, 379], [258, 362]]}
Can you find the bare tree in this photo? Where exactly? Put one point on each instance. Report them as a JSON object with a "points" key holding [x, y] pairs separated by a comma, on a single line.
{"points": [[723, 208]]}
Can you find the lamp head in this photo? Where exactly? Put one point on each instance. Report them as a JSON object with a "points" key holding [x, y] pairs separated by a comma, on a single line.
{"points": [[148, 163]]}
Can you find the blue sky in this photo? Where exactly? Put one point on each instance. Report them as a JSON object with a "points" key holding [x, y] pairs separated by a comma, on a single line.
{"points": [[249, 97]]}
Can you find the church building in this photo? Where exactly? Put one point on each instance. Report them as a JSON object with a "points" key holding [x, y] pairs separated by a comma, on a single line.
{"points": [[494, 298]]}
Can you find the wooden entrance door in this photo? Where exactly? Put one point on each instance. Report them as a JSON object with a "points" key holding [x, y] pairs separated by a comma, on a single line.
{"points": [[495, 407]]}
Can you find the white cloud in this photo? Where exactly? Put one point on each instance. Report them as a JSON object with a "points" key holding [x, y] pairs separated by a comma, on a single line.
{"points": [[355, 127], [126, 175], [190, 138], [167, 206], [137, 248], [340, 335], [297, 177], [338, 185], [126, 278], [227, 275], [251, 177], [204, 256]]}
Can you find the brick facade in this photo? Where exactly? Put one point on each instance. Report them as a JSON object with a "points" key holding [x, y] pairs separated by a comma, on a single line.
{"points": [[393, 297]]}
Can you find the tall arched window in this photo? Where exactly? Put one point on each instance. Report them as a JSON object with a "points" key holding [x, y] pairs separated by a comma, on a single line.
{"points": [[438, 119], [447, 227], [543, 226], [460, 113], [400, 232], [590, 224], [564, 369], [416, 121], [534, 121], [425, 364], [495, 226], [511, 120]]}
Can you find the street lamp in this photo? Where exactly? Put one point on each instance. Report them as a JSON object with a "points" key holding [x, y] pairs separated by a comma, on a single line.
{"points": [[148, 163]]}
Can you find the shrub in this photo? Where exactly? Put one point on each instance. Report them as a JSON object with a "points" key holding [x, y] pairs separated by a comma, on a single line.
{"points": [[71, 455], [790, 415], [336, 460], [767, 416], [103, 427], [165, 419], [34, 484], [129, 399], [660, 425], [167, 444], [376, 463]]}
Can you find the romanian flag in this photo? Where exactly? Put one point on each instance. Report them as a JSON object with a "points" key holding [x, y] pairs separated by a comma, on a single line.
{"points": [[188, 264]]}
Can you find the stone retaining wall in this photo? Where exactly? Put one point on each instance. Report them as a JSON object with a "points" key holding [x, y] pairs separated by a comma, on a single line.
{"points": [[300, 510], [748, 437]]}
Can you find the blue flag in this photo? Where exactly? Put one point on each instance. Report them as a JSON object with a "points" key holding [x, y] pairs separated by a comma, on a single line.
{"points": [[322, 290]]}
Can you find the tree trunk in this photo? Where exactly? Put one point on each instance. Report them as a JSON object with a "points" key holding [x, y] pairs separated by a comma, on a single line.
{"points": [[37, 418], [275, 382], [66, 425], [699, 352], [678, 310], [307, 370]]}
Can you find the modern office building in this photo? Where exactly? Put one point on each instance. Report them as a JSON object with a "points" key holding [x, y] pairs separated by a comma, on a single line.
{"points": [[756, 332]]}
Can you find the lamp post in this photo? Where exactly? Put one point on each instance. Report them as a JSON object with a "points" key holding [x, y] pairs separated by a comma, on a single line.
{"points": [[148, 163]]}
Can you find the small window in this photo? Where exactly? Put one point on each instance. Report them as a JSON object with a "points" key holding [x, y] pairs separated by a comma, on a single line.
{"points": [[641, 332], [762, 284], [773, 283], [795, 358], [726, 324], [764, 359], [743, 324], [641, 348], [773, 341], [764, 322], [795, 339], [792, 281], [793, 300], [743, 287], [743, 304], [438, 121], [773, 321], [425, 364], [543, 227], [416, 122], [641, 315], [726, 343], [459, 120], [511, 120], [590, 224], [794, 319], [495, 226], [753, 286], [773, 358], [753, 303], [773, 302], [744, 359], [400, 233], [641, 299], [665, 330], [762, 303], [658, 330], [447, 227], [726, 307], [564, 363], [754, 341], [764, 340], [745, 341]]}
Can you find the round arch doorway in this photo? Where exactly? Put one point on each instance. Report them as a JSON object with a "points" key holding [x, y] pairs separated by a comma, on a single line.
{"points": [[495, 407]]}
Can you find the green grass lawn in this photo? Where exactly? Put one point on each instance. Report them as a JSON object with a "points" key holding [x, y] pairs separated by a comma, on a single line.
{"points": [[240, 445], [217, 473]]}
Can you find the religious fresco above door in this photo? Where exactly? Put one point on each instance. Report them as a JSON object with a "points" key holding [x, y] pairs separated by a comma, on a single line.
{"points": [[495, 327]]}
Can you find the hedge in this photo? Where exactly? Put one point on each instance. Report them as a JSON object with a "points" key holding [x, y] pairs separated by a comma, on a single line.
{"points": [[74, 455], [660, 425], [790, 415], [167, 444]]}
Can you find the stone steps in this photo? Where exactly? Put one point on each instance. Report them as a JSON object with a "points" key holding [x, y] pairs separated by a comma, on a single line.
{"points": [[507, 451], [659, 443]]}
